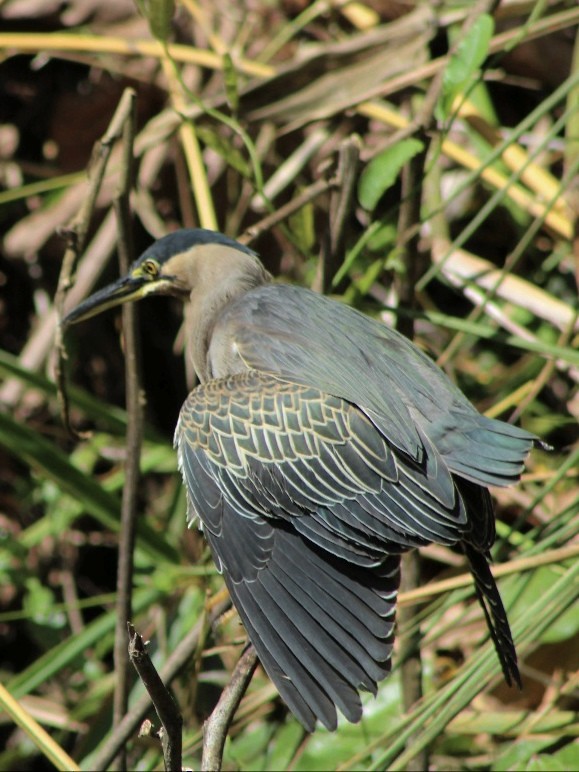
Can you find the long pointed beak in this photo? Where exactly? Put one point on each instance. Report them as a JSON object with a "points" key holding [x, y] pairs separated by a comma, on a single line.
{"points": [[124, 290]]}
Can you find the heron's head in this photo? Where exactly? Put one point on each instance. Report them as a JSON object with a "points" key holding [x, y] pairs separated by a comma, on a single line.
{"points": [[178, 264]]}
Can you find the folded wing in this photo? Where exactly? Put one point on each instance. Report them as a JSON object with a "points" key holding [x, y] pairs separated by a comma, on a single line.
{"points": [[306, 507]]}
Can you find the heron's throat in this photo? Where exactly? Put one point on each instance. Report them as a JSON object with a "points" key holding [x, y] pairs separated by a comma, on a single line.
{"points": [[214, 291]]}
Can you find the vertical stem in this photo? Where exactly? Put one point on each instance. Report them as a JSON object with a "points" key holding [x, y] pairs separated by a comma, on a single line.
{"points": [[134, 436], [191, 148], [411, 669], [341, 204]]}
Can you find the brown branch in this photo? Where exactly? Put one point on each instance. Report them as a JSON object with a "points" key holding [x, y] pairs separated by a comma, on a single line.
{"points": [[163, 702], [216, 726], [408, 236], [408, 242], [312, 191], [341, 203], [127, 532], [76, 235], [178, 660]]}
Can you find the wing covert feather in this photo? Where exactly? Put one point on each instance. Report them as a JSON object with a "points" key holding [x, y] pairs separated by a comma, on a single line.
{"points": [[266, 467]]}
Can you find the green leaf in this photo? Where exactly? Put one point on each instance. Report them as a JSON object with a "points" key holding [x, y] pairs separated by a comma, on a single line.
{"points": [[51, 462], [471, 52], [568, 756], [384, 238], [231, 83], [38, 604], [288, 739], [465, 63], [223, 147], [517, 755], [159, 14], [546, 763], [72, 649], [566, 626], [303, 228], [383, 170]]}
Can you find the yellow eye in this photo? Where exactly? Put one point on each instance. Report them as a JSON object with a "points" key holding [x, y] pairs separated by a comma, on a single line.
{"points": [[151, 268]]}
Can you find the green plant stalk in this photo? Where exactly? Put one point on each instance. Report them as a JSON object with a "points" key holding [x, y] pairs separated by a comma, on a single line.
{"points": [[39, 736], [524, 126], [429, 720], [232, 124], [562, 595], [495, 200], [40, 187], [44, 456], [97, 600], [565, 353], [64, 654]]}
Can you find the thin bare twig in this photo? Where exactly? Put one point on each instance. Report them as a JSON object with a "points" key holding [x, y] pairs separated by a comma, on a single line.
{"points": [[408, 235], [163, 702], [134, 427], [267, 223], [216, 726], [178, 660], [341, 203], [515, 566], [76, 234]]}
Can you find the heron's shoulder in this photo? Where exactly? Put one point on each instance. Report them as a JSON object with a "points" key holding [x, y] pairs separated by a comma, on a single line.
{"points": [[280, 304], [281, 293]]}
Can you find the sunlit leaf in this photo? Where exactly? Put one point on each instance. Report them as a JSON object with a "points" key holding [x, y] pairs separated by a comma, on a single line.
{"points": [[463, 65], [383, 170]]}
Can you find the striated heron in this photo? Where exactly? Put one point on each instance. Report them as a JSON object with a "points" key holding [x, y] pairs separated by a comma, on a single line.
{"points": [[318, 447]]}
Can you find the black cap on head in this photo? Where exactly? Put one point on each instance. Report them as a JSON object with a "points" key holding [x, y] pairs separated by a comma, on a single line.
{"points": [[184, 239]]}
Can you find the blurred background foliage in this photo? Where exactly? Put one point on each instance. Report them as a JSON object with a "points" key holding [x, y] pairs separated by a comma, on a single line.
{"points": [[244, 109]]}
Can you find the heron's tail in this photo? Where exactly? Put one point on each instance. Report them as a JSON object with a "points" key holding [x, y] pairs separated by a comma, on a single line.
{"points": [[496, 616]]}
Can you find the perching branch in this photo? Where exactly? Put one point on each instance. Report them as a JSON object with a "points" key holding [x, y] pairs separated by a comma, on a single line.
{"points": [[162, 700], [216, 726], [178, 660]]}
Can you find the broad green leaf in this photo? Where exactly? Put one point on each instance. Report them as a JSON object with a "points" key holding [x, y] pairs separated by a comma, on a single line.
{"points": [[303, 228], [568, 756], [516, 755], [566, 626], [159, 14], [471, 53], [384, 238], [65, 653], [38, 604], [287, 743], [383, 170], [463, 65], [544, 761], [46, 458]]}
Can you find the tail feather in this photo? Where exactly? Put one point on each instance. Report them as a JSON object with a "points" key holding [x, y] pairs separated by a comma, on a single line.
{"points": [[496, 616]]}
